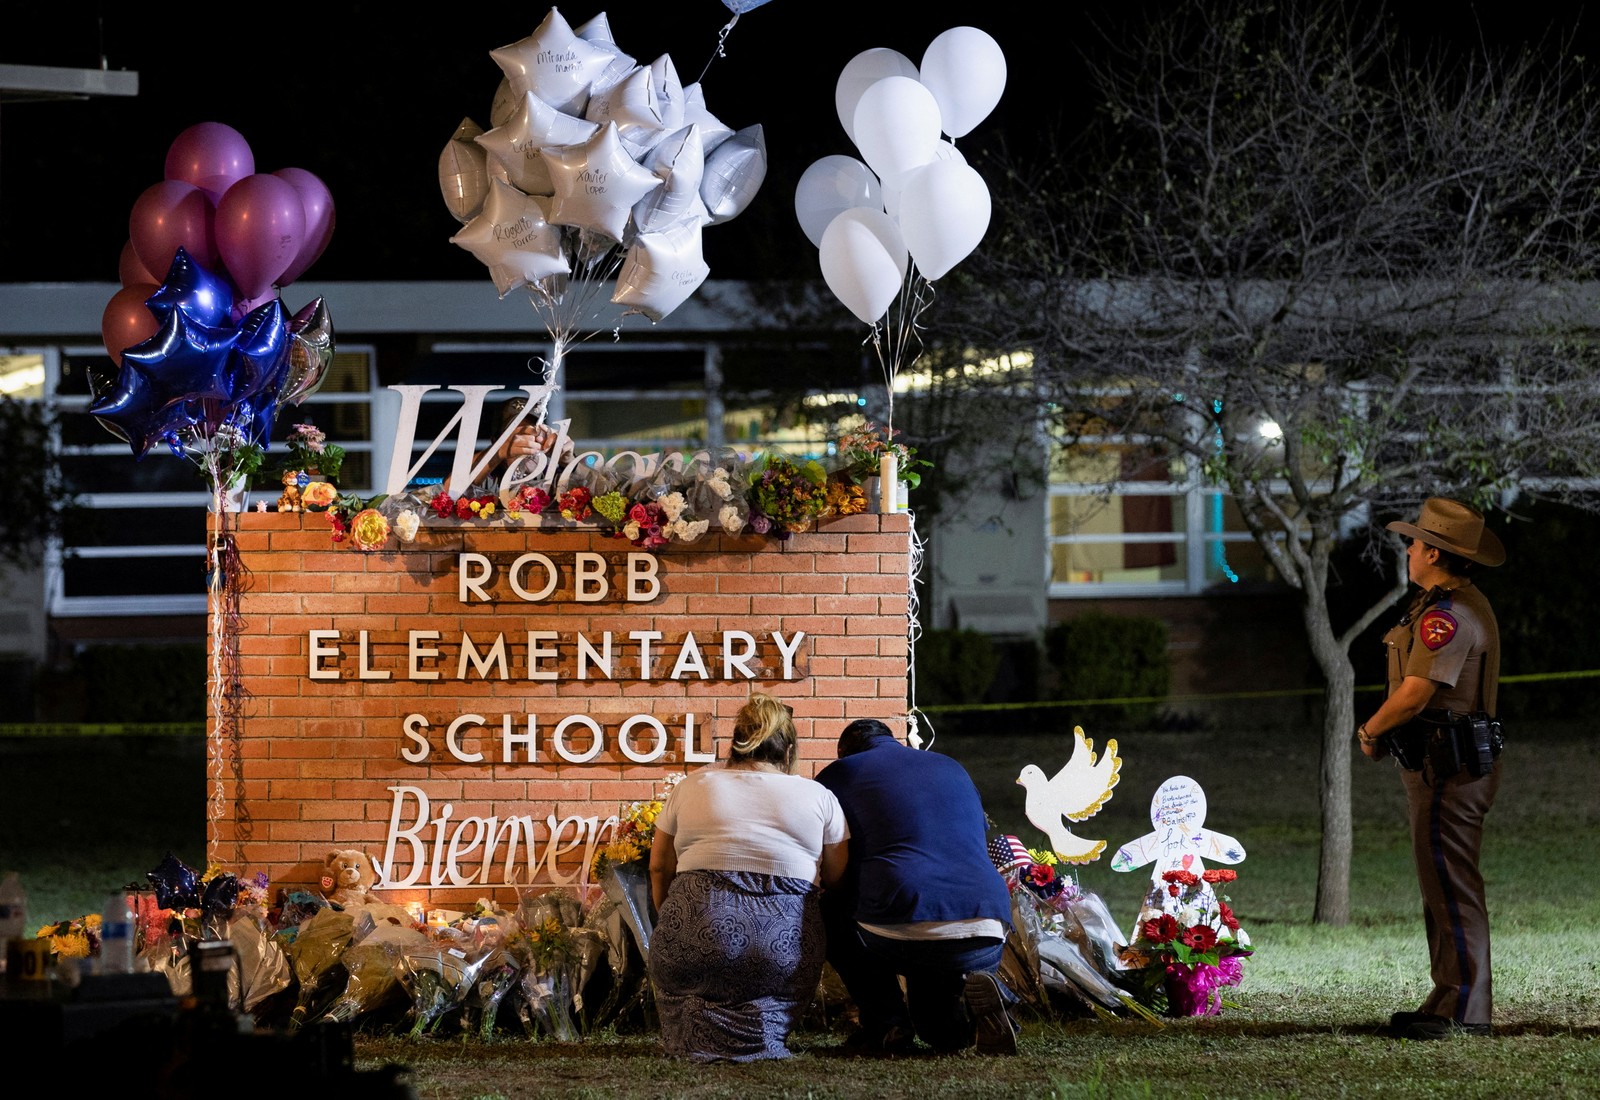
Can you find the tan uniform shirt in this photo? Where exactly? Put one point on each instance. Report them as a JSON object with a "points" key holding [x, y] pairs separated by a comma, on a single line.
{"points": [[1455, 642]]}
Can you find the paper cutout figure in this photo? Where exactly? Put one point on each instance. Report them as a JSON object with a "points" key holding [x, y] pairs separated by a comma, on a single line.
{"points": [[1075, 793], [1179, 842]]}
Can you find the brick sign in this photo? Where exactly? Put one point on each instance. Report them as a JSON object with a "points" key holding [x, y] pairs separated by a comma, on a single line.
{"points": [[472, 709]]}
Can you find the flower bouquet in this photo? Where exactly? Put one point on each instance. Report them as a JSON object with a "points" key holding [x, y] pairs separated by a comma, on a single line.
{"points": [[549, 946], [1181, 961], [499, 970], [373, 963], [437, 975], [786, 496], [1067, 934], [861, 455], [716, 491], [311, 454], [316, 953]]}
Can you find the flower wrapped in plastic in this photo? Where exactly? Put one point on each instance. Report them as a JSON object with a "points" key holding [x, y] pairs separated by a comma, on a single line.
{"points": [[316, 954], [373, 964], [715, 490], [438, 975], [787, 494], [554, 952], [1182, 961]]}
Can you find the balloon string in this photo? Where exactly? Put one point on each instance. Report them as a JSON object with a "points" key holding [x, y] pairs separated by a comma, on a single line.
{"points": [[722, 40]]}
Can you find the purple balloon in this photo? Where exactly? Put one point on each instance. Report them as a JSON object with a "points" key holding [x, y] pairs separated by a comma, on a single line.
{"points": [[212, 156], [317, 201], [168, 216], [260, 227]]}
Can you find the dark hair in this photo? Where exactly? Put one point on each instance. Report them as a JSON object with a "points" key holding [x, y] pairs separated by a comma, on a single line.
{"points": [[764, 732], [858, 735], [1454, 564]]}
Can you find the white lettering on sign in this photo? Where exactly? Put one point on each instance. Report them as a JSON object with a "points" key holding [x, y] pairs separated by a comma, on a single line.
{"points": [[574, 739], [534, 577], [436, 852]]}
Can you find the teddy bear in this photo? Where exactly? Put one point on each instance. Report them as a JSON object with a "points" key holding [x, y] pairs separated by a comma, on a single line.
{"points": [[348, 878], [290, 500]]}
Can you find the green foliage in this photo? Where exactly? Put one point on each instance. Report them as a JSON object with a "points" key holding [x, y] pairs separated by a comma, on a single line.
{"points": [[1100, 656], [955, 666], [32, 516]]}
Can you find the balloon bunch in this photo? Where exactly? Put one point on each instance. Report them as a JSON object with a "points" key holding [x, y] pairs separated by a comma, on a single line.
{"points": [[207, 354], [900, 217], [595, 166]]}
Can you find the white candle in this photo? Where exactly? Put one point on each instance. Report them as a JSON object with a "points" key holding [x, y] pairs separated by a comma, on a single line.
{"points": [[888, 483]]}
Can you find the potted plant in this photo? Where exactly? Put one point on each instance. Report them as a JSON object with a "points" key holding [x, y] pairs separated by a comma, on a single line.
{"points": [[311, 454], [861, 455]]}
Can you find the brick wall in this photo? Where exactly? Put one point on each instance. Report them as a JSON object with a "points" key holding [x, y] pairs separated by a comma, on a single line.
{"points": [[322, 746]]}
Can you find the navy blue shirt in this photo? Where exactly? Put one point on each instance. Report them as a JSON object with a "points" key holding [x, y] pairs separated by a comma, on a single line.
{"points": [[918, 837]]}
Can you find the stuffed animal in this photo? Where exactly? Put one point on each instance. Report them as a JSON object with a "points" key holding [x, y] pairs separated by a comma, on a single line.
{"points": [[290, 500], [348, 878]]}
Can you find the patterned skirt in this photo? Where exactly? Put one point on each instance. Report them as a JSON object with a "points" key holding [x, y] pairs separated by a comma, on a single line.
{"points": [[735, 959]]}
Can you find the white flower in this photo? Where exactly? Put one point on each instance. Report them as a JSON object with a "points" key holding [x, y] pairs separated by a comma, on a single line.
{"points": [[406, 524], [718, 481], [693, 530], [630, 530], [673, 505], [731, 518]]}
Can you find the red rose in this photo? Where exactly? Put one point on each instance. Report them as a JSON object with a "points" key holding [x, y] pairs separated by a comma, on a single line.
{"points": [[1173, 890], [1200, 938], [1186, 878], [1220, 874], [442, 505]]}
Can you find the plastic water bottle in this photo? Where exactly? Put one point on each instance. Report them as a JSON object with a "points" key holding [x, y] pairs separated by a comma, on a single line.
{"points": [[13, 914], [116, 935]]}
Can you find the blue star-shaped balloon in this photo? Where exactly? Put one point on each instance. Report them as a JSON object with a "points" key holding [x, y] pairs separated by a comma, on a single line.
{"points": [[176, 884], [260, 360], [194, 290], [185, 361]]}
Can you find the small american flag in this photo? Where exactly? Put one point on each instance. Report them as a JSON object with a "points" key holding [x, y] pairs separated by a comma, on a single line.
{"points": [[1008, 852]]}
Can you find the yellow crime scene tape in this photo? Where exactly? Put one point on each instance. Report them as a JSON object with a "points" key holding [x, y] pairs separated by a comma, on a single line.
{"points": [[198, 729]]}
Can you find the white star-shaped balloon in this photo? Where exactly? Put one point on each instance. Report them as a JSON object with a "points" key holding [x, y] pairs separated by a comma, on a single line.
{"points": [[514, 238], [681, 164], [554, 64], [597, 184], [662, 270], [631, 104], [534, 126]]}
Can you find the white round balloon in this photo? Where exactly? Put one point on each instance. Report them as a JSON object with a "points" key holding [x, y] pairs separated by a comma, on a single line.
{"points": [[863, 261], [861, 72], [965, 69], [944, 213], [831, 186], [897, 125]]}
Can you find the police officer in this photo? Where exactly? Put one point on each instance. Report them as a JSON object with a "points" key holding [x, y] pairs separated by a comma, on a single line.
{"points": [[1444, 662]]}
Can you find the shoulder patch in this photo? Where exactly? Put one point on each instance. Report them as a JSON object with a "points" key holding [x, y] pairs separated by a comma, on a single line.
{"points": [[1436, 628]]}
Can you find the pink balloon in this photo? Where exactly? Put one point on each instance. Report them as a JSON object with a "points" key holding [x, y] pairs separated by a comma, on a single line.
{"points": [[317, 201], [260, 227], [212, 156], [130, 269], [169, 214], [126, 321]]}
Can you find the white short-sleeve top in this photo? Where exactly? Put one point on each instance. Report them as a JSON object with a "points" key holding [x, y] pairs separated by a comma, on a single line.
{"points": [[730, 819]]}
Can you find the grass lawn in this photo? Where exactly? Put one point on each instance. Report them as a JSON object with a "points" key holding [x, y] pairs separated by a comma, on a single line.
{"points": [[76, 818]]}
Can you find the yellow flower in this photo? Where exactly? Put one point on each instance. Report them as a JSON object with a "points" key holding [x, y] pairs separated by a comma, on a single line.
{"points": [[319, 494], [488, 510], [369, 530]]}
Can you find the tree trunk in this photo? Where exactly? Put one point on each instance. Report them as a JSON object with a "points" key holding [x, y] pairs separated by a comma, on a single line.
{"points": [[1333, 866]]}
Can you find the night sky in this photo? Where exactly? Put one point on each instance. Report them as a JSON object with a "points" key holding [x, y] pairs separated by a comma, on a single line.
{"points": [[365, 96]]}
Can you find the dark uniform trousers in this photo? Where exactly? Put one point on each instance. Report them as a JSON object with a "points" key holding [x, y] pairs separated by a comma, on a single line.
{"points": [[1446, 834]]}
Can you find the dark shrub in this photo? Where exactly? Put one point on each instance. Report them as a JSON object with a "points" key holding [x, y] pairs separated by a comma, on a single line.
{"points": [[1100, 656], [955, 666]]}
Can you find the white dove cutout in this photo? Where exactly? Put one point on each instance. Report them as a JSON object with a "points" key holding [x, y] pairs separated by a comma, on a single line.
{"points": [[1075, 793]]}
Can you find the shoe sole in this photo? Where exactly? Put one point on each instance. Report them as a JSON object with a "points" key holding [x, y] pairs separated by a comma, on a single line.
{"points": [[987, 1007]]}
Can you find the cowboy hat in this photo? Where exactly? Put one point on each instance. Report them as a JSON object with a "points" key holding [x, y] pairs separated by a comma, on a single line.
{"points": [[1453, 526]]}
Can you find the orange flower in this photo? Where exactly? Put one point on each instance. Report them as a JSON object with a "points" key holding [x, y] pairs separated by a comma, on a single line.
{"points": [[318, 494]]}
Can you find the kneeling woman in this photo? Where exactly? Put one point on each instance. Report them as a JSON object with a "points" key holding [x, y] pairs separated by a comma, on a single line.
{"points": [[739, 851]]}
